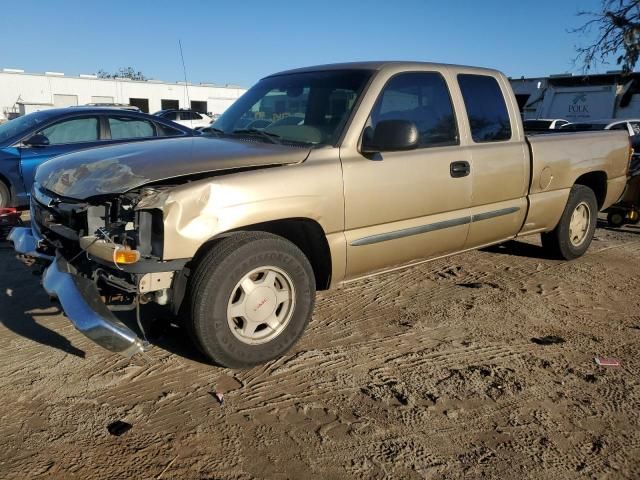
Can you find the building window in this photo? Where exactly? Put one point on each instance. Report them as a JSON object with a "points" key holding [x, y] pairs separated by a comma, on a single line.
{"points": [[166, 104], [141, 103], [199, 106]]}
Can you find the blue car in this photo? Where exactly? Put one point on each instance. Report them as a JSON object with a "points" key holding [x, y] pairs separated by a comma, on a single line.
{"points": [[28, 141]]}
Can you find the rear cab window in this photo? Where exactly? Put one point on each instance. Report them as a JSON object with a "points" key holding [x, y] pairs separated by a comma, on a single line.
{"points": [[486, 108]]}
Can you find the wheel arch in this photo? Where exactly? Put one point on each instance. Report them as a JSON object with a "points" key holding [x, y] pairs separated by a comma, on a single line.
{"points": [[305, 233], [597, 182]]}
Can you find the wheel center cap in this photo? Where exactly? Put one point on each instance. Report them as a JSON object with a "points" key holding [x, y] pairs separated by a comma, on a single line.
{"points": [[261, 304]]}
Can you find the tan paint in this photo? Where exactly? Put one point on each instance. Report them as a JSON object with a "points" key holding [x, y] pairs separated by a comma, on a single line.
{"points": [[198, 211], [571, 155], [401, 208], [545, 210], [545, 178], [617, 190]]}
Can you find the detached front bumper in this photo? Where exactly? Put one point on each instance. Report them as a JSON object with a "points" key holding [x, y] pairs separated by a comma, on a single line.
{"points": [[80, 300], [28, 243]]}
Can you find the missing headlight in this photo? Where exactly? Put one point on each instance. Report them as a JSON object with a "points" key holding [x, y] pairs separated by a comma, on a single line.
{"points": [[150, 232]]}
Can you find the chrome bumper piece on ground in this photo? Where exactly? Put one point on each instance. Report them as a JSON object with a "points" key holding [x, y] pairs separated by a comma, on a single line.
{"points": [[26, 243], [80, 300]]}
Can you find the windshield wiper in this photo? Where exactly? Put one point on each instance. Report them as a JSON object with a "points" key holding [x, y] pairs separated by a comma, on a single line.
{"points": [[272, 137]]}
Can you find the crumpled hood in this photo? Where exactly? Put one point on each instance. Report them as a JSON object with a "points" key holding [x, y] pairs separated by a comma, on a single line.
{"points": [[120, 168]]}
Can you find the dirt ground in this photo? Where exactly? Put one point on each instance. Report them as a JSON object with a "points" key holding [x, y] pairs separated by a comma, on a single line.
{"points": [[429, 372]]}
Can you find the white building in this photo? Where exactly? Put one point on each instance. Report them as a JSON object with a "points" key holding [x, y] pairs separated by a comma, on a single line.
{"points": [[22, 93], [579, 98]]}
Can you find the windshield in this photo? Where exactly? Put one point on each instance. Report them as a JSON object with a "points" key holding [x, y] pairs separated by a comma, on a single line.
{"points": [[20, 125], [320, 103]]}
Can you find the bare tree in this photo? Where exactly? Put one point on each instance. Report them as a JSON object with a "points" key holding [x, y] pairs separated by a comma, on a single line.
{"points": [[617, 25], [127, 72]]}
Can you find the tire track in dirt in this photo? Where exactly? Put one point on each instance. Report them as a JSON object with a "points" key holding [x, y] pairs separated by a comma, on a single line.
{"points": [[395, 377]]}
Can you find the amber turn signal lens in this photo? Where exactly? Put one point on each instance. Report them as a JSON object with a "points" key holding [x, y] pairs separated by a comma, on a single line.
{"points": [[126, 256]]}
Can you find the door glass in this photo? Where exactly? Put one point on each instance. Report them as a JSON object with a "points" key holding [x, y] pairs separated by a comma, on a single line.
{"points": [[486, 108], [72, 131], [123, 127], [165, 131], [421, 98]]}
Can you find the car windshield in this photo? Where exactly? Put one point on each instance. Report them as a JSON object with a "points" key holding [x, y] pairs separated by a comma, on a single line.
{"points": [[321, 103], [584, 127], [19, 125]]}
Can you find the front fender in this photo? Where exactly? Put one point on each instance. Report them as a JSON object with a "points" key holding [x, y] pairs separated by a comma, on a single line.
{"points": [[196, 212], [10, 174]]}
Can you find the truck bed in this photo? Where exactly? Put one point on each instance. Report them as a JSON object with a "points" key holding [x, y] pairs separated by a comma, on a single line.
{"points": [[558, 160]]}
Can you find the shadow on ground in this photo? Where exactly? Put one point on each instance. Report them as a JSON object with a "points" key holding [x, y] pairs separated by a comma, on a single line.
{"points": [[518, 249], [166, 332], [23, 301]]}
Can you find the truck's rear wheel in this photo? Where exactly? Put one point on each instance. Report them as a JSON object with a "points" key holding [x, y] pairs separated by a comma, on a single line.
{"points": [[573, 234], [251, 298]]}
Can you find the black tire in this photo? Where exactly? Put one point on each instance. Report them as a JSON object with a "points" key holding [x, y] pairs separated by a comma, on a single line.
{"points": [[615, 219], [214, 281], [5, 195], [557, 242]]}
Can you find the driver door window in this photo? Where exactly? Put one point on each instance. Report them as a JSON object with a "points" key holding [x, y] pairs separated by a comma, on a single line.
{"points": [[421, 98], [77, 130]]}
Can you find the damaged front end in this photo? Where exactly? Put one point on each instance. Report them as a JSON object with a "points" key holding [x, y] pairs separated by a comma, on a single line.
{"points": [[101, 255]]}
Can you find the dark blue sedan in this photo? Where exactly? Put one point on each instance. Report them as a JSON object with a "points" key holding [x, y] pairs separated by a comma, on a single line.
{"points": [[28, 141]]}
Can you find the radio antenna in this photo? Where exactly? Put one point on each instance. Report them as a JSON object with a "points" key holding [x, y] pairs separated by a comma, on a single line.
{"points": [[184, 70]]}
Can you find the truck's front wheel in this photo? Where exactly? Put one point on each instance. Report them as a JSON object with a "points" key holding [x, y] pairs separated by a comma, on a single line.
{"points": [[251, 298], [573, 234]]}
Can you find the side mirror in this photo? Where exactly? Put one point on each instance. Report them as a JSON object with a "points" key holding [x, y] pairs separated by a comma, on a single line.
{"points": [[391, 136], [38, 140]]}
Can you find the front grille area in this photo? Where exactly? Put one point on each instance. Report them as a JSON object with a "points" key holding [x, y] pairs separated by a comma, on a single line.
{"points": [[61, 219]]}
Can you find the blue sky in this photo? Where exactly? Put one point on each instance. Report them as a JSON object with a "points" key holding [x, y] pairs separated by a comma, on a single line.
{"points": [[239, 42]]}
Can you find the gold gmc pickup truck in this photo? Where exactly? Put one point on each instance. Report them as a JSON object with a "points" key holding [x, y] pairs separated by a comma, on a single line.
{"points": [[314, 177]]}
